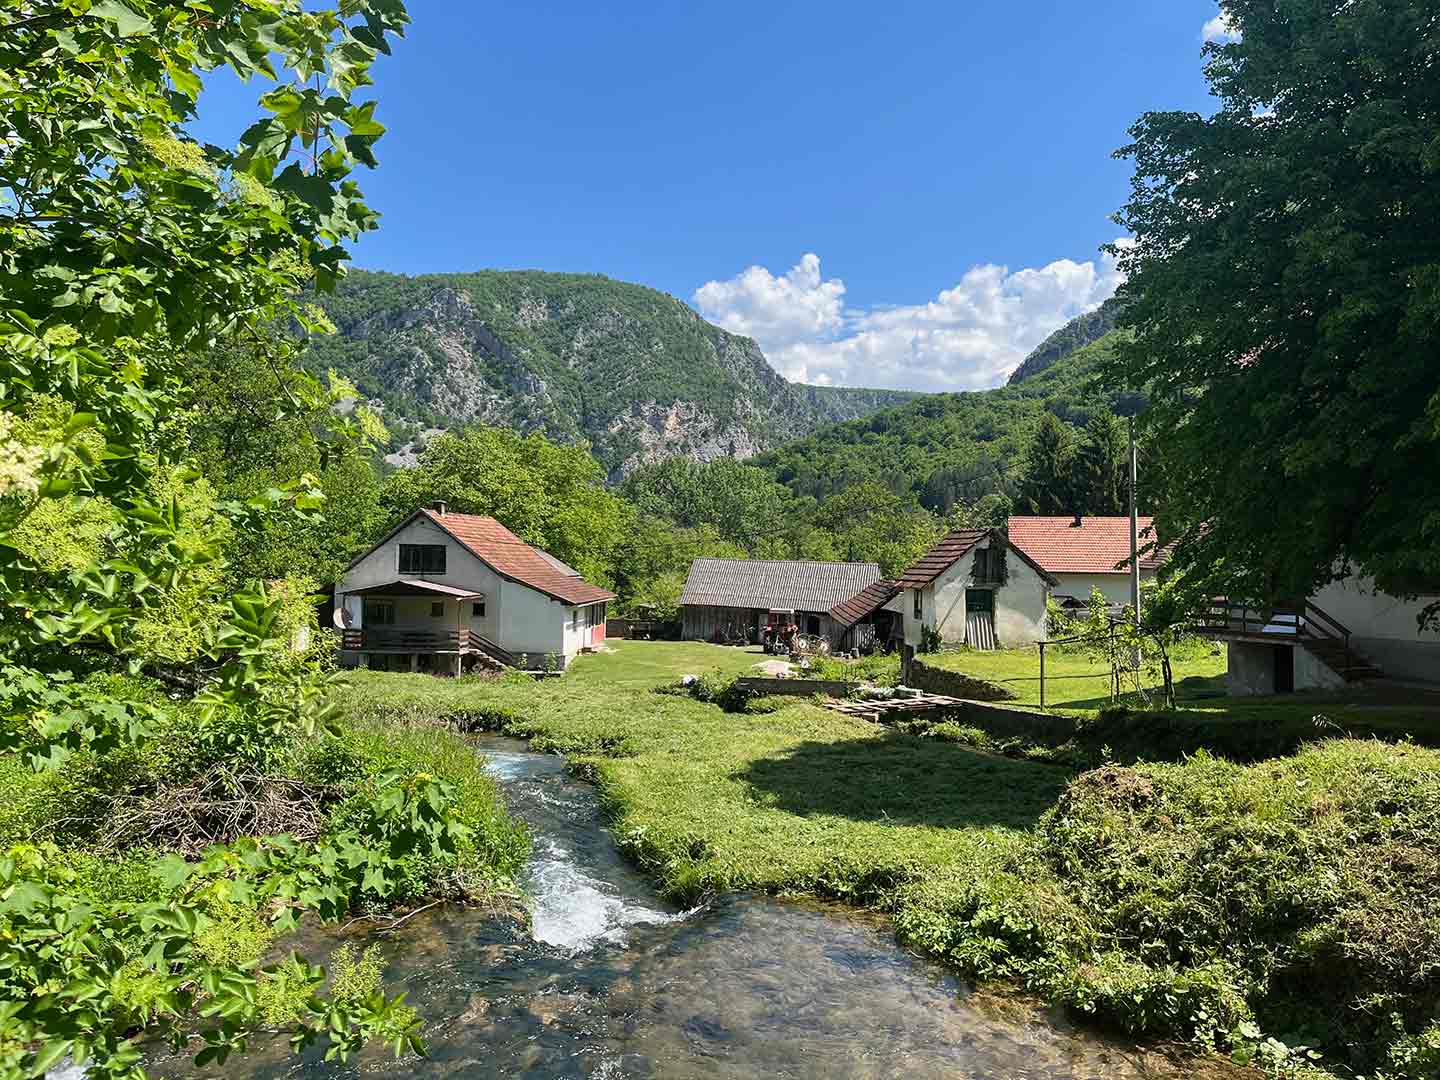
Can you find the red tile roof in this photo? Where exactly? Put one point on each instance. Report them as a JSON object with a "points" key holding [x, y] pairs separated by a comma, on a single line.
{"points": [[940, 558], [1098, 545], [864, 603], [511, 557]]}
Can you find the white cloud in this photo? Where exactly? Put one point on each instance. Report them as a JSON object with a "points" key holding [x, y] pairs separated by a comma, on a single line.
{"points": [[1221, 29], [781, 310], [970, 337]]}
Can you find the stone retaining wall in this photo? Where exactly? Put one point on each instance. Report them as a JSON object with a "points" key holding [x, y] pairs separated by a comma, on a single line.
{"points": [[793, 687], [936, 680]]}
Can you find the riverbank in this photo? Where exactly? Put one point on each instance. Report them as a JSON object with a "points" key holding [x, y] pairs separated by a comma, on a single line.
{"points": [[1250, 909]]}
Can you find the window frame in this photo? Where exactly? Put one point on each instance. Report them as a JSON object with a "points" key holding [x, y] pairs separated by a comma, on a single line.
{"points": [[919, 603], [372, 606], [477, 609], [437, 609], [420, 550]]}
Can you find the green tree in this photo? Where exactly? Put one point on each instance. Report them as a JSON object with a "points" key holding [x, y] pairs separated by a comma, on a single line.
{"points": [[1284, 293], [127, 250], [1048, 484], [1104, 467], [872, 524], [549, 495]]}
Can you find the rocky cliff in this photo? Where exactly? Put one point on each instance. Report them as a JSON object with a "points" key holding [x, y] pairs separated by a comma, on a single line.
{"points": [[635, 372]]}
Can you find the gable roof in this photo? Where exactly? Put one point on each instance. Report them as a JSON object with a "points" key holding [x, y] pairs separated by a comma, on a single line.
{"points": [[800, 585], [953, 547], [864, 603], [509, 556], [949, 550], [1098, 545]]}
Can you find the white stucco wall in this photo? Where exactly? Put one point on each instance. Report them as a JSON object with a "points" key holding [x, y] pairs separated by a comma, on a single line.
{"points": [[1250, 669], [1019, 604], [1114, 587], [1384, 628]]}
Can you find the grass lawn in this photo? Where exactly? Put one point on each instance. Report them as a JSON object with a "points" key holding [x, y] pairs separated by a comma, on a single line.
{"points": [[1118, 892], [1075, 682], [795, 800]]}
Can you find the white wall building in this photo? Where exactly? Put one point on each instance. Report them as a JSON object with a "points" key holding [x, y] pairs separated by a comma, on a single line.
{"points": [[443, 590], [974, 588], [1347, 632], [1086, 553]]}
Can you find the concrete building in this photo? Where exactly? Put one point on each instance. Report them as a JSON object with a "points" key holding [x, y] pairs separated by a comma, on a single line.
{"points": [[974, 588], [1086, 553], [444, 591], [1347, 632]]}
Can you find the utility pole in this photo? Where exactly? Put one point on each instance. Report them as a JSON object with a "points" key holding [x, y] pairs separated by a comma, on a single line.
{"points": [[1134, 534]]}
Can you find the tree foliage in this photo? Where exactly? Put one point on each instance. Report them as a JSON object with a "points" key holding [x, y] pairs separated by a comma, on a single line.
{"points": [[129, 254], [1284, 295]]}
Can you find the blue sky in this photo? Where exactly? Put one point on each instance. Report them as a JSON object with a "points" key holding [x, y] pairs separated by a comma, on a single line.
{"points": [[843, 181]]}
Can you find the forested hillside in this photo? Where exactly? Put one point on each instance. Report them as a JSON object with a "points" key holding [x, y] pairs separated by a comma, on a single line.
{"points": [[634, 372], [948, 448]]}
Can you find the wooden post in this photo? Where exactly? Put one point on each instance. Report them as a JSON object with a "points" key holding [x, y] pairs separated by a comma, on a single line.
{"points": [[1042, 673]]}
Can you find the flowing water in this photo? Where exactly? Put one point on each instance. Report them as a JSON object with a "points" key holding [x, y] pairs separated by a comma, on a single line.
{"points": [[617, 983]]}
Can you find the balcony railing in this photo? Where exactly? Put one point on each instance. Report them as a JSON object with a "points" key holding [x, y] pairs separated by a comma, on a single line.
{"points": [[399, 639]]}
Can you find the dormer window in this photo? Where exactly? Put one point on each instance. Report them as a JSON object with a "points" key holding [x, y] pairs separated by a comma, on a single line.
{"points": [[422, 558]]}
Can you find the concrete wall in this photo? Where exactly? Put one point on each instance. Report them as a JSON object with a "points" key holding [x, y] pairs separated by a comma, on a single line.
{"points": [[1383, 628], [1250, 669], [1019, 604], [1114, 587]]}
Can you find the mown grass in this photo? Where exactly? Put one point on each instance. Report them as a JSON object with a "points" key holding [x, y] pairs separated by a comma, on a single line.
{"points": [[1251, 908], [1073, 681]]}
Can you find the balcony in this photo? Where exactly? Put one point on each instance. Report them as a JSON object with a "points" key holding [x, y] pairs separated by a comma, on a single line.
{"points": [[398, 639]]}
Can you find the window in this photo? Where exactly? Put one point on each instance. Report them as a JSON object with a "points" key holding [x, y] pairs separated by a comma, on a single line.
{"points": [[595, 616], [477, 609], [379, 613], [437, 609], [919, 605], [812, 624], [422, 558]]}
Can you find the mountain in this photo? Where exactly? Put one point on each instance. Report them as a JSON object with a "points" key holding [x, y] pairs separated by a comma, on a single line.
{"points": [[1075, 334], [947, 448], [634, 371]]}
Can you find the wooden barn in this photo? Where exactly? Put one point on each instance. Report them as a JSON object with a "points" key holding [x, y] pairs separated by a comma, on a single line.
{"points": [[728, 598]]}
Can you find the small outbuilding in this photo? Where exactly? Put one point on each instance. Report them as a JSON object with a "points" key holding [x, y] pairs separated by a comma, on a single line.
{"points": [[974, 588], [865, 622], [726, 599]]}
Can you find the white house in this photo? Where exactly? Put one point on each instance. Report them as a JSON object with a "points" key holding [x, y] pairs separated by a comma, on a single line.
{"points": [[443, 591], [974, 588], [1086, 553], [1348, 631]]}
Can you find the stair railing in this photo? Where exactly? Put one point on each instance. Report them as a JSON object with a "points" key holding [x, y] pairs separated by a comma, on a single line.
{"points": [[1335, 629]]}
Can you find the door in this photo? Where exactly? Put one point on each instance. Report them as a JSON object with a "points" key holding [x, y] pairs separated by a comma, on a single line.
{"points": [[1284, 669], [980, 618]]}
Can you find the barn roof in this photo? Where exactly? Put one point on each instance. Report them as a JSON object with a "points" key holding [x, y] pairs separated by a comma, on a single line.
{"points": [[800, 585], [953, 547], [864, 603], [511, 557], [949, 550], [1097, 545]]}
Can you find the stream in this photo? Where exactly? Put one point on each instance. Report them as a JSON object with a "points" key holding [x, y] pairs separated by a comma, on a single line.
{"points": [[617, 983]]}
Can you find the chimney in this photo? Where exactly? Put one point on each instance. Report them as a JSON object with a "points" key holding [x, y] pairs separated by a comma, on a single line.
{"points": [[1079, 520], [440, 508]]}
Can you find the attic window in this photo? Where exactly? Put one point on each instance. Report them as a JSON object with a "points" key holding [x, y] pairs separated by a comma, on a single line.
{"points": [[422, 558]]}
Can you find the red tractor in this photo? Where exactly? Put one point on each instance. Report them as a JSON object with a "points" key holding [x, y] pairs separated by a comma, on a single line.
{"points": [[780, 630]]}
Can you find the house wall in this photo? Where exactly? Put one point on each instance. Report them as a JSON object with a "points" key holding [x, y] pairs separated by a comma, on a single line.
{"points": [[517, 618], [1019, 604], [1383, 628], [1114, 587]]}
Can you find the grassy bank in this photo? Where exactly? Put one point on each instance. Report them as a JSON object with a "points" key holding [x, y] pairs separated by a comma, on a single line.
{"points": [[1264, 909], [1074, 682]]}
